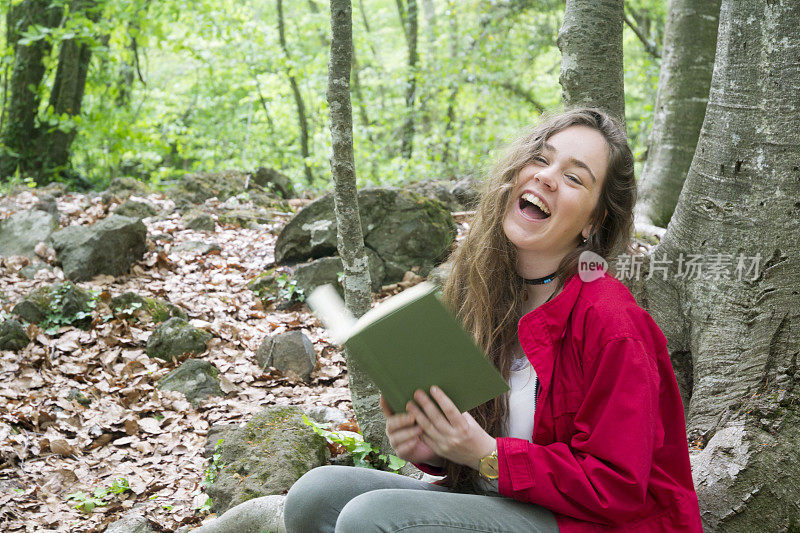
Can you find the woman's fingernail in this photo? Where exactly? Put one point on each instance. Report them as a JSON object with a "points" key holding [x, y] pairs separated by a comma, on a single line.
{"points": [[434, 389]]}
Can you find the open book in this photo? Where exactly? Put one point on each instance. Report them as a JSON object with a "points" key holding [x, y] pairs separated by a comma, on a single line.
{"points": [[408, 342]]}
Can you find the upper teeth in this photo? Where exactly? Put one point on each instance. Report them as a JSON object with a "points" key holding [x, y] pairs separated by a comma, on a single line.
{"points": [[536, 201]]}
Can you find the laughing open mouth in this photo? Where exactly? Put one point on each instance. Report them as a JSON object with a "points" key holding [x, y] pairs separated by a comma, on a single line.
{"points": [[533, 207]]}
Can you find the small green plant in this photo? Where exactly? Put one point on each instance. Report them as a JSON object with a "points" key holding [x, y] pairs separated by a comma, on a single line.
{"points": [[87, 503], [287, 289], [209, 475], [55, 319], [364, 454]]}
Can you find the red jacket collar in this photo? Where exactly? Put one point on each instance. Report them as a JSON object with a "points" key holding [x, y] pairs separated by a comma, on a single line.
{"points": [[546, 325], [548, 322]]}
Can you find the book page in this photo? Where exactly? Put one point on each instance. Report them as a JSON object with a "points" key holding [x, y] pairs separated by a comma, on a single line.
{"points": [[330, 309]]}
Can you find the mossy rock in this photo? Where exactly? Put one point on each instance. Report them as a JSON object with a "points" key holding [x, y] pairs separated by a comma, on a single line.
{"points": [[174, 338], [199, 221], [265, 457], [123, 187], [244, 217], [133, 209], [59, 304], [406, 230], [265, 286], [12, 335], [159, 310], [194, 189], [196, 379]]}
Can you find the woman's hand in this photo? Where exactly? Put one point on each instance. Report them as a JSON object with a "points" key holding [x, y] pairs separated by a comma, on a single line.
{"points": [[404, 436], [451, 434]]}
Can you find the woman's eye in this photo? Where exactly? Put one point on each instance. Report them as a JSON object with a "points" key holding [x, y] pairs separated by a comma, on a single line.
{"points": [[573, 178], [540, 159]]}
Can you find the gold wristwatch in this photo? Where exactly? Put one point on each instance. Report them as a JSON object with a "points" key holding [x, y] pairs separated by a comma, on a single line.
{"points": [[489, 469]]}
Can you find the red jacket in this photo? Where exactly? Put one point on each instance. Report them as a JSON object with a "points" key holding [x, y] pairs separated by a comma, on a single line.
{"points": [[609, 449]]}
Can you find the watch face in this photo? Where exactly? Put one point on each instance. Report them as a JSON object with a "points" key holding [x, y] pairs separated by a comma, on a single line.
{"points": [[489, 468]]}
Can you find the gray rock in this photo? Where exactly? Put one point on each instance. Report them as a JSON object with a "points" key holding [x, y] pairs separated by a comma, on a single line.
{"points": [[200, 247], [195, 378], [56, 189], [159, 310], [29, 271], [21, 232], [174, 338], [199, 221], [437, 190], [193, 189], [244, 217], [133, 209], [61, 299], [109, 246], [291, 353], [466, 191], [404, 228], [216, 436], [12, 335], [265, 457], [259, 515], [275, 181], [309, 276], [48, 204], [133, 522], [323, 414], [123, 187]]}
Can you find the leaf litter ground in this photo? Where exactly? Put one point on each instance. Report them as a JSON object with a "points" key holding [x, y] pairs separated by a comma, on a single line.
{"points": [[52, 444]]}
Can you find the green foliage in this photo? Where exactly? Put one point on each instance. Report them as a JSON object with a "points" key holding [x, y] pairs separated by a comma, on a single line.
{"points": [[98, 498], [176, 87], [287, 288], [364, 454], [209, 475], [55, 318]]}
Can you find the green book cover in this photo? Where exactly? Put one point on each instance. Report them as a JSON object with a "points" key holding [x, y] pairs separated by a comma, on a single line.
{"points": [[411, 341]]}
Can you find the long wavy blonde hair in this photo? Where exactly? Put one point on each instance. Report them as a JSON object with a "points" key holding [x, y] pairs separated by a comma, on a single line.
{"points": [[483, 288]]}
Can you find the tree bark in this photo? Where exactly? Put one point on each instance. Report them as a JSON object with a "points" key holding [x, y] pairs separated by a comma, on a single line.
{"points": [[20, 132], [298, 97], [409, 20], [734, 337], [590, 40], [350, 239], [683, 83], [66, 95]]}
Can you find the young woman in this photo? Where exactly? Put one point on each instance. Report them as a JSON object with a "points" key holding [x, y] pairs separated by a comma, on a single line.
{"points": [[591, 436]]}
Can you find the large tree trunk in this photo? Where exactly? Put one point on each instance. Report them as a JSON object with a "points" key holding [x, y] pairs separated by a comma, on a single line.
{"points": [[590, 41], [409, 20], [66, 96], [735, 338], [350, 240], [298, 97], [688, 61], [20, 132]]}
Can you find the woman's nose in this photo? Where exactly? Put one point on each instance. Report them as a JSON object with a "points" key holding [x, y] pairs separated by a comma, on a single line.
{"points": [[547, 177]]}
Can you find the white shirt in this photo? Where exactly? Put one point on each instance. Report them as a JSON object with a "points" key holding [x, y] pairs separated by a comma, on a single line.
{"points": [[521, 407]]}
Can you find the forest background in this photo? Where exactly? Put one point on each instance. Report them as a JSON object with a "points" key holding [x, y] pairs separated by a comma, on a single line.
{"points": [[176, 87]]}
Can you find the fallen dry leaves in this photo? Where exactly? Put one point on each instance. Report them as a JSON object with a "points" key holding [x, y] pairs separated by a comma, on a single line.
{"points": [[54, 441]]}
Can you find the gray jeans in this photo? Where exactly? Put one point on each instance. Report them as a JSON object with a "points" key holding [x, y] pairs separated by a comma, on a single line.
{"points": [[347, 499]]}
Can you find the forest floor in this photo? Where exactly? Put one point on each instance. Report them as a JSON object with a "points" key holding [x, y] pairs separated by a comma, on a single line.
{"points": [[52, 446]]}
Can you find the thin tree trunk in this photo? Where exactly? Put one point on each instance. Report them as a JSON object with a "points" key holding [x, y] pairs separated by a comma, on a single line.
{"points": [[590, 41], [689, 44], [298, 98], [734, 334], [20, 133], [350, 239], [409, 19], [66, 96]]}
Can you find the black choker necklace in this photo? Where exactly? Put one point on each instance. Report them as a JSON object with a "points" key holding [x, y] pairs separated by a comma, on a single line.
{"points": [[539, 281]]}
